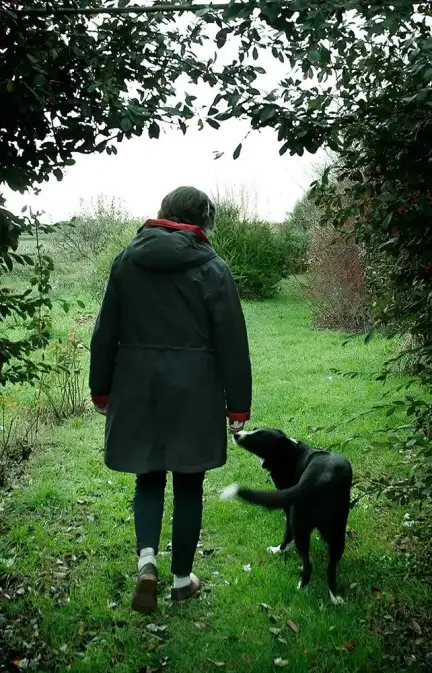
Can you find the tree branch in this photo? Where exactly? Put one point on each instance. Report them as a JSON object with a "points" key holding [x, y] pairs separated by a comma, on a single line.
{"points": [[154, 9]]}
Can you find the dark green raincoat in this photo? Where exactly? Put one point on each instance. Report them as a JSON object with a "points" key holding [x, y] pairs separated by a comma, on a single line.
{"points": [[169, 353]]}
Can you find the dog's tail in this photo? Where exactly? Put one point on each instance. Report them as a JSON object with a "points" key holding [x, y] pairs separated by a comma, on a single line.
{"points": [[269, 499]]}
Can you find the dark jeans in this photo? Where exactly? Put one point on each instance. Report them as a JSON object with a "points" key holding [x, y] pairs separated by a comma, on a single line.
{"points": [[188, 505]]}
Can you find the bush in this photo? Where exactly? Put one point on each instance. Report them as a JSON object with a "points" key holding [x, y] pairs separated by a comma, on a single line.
{"points": [[19, 430], [336, 281], [305, 216], [87, 234], [252, 249], [103, 261], [259, 255], [295, 244], [64, 390]]}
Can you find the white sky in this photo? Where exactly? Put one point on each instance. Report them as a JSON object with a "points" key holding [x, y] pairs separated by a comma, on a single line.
{"points": [[145, 170]]}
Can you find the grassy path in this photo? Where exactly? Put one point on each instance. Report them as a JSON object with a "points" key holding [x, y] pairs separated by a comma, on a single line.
{"points": [[67, 559]]}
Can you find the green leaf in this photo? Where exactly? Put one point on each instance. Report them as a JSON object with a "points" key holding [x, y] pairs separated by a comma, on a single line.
{"points": [[255, 54], [126, 124], [221, 37], [58, 174], [213, 123], [39, 80], [388, 218], [267, 113], [154, 130], [80, 303], [237, 151], [314, 56]]}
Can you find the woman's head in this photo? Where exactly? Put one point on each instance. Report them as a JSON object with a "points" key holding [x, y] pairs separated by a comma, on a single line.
{"points": [[187, 205]]}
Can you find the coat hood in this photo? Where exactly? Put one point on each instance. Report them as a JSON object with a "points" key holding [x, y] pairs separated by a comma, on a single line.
{"points": [[162, 245]]}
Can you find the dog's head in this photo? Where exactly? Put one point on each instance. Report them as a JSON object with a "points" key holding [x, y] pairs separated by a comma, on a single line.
{"points": [[270, 445]]}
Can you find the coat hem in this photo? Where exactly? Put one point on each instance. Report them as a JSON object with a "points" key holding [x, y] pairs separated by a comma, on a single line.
{"points": [[165, 468]]}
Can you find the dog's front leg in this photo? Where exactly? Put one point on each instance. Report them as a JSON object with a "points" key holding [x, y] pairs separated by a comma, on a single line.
{"points": [[287, 538]]}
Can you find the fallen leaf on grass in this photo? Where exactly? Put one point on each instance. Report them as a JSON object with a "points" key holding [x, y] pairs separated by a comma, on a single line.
{"points": [[81, 628], [283, 641], [247, 568], [208, 552], [265, 607], [348, 646], [416, 626], [200, 625], [219, 664], [275, 631], [280, 663], [156, 628], [351, 533], [292, 625], [377, 593]]}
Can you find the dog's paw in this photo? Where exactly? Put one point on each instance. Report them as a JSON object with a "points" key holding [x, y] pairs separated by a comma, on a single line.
{"points": [[230, 492], [279, 549], [336, 600]]}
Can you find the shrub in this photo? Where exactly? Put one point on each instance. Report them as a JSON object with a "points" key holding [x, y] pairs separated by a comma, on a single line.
{"points": [[102, 263], [19, 429], [64, 389], [295, 244], [87, 234], [336, 282], [252, 249], [305, 216]]}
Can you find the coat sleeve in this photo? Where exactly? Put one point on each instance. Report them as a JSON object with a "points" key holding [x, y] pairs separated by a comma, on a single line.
{"points": [[232, 348], [104, 343]]}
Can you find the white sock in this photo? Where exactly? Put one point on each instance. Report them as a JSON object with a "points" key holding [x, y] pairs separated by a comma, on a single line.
{"points": [[181, 581], [147, 555]]}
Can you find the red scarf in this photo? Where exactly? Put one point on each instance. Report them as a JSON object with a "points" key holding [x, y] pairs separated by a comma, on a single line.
{"points": [[167, 224]]}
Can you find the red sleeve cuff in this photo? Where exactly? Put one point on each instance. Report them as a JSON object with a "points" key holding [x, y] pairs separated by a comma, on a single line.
{"points": [[241, 417], [100, 400]]}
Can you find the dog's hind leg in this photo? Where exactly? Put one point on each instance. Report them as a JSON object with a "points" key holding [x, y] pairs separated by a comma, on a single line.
{"points": [[336, 546], [302, 532], [287, 538], [302, 542]]}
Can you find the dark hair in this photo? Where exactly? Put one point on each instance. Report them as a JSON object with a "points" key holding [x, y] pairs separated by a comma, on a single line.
{"points": [[187, 205]]}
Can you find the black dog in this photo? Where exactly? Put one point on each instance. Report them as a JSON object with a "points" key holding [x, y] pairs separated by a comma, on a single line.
{"points": [[313, 490]]}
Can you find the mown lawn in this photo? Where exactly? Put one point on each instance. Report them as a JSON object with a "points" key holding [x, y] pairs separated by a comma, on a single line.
{"points": [[67, 562]]}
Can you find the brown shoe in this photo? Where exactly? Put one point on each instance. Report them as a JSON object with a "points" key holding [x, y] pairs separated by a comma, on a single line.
{"points": [[145, 594], [188, 592]]}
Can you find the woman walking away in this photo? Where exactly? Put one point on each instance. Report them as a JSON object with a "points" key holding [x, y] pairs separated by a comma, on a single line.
{"points": [[169, 361]]}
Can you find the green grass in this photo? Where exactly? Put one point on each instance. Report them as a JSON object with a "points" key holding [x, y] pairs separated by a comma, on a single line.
{"points": [[68, 537]]}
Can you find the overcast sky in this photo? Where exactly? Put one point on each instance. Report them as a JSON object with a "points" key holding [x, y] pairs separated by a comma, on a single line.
{"points": [[144, 170]]}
